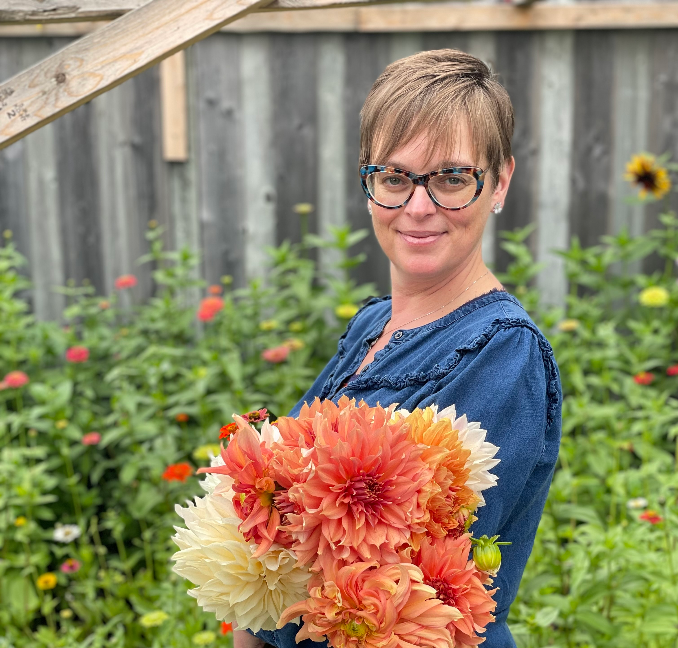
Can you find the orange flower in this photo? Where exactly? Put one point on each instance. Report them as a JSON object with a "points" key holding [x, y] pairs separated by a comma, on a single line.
{"points": [[362, 605], [77, 354], [215, 290], [651, 516], [458, 583], [177, 472], [209, 307], [643, 378], [16, 379], [125, 281], [227, 430], [275, 355], [226, 628], [104, 305], [181, 417]]}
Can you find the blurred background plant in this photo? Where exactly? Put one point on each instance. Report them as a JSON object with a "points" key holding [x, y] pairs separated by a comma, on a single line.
{"points": [[105, 417]]}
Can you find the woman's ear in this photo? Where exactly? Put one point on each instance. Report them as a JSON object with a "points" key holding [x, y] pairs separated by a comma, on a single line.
{"points": [[503, 181]]}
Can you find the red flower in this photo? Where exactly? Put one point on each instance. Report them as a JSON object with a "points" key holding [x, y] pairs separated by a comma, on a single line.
{"points": [[91, 438], [15, 379], [643, 378], [177, 472], [672, 370], [125, 281], [182, 417], [215, 290], [70, 566], [226, 628], [276, 355], [651, 516], [256, 416], [227, 430], [77, 354], [104, 305], [209, 307]]}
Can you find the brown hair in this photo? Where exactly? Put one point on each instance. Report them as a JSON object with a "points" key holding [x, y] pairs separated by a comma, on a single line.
{"points": [[428, 93]]}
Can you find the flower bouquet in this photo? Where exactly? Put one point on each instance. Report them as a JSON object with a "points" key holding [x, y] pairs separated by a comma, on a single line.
{"points": [[353, 519]]}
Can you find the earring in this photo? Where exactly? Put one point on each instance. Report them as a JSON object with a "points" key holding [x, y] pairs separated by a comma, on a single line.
{"points": [[369, 209], [497, 208]]}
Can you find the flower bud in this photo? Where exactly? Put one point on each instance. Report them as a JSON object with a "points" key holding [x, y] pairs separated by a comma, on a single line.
{"points": [[487, 555]]}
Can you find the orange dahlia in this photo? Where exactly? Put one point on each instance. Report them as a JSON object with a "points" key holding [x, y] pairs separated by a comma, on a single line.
{"points": [[363, 498], [458, 583], [364, 605]]}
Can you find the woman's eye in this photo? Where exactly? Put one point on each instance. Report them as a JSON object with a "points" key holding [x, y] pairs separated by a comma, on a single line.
{"points": [[393, 181]]}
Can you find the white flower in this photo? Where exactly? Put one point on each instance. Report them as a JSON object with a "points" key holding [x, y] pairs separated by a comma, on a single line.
{"points": [[253, 592], [66, 532], [217, 484], [637, 503]]}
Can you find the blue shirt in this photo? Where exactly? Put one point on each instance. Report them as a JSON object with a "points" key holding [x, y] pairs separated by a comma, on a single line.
{"points": [[491, 361]]}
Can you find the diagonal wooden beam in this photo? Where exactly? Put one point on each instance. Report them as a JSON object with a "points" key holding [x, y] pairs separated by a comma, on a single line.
{"points": [[105, 58]]}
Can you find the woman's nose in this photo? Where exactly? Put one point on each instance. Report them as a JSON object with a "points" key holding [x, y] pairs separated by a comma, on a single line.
{"points": [[420, 204]]}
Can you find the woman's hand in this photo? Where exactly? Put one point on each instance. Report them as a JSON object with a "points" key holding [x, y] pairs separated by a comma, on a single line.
{"points": [[242, 639]]}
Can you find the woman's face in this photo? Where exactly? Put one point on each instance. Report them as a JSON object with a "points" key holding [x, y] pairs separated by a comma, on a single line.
{"points": [[425, 243]]}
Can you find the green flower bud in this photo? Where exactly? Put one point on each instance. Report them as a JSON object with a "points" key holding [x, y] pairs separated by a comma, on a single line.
{"points": [[487, 555]]}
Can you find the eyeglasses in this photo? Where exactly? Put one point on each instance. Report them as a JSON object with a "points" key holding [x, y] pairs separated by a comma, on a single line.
{"points": [[452, 188]]}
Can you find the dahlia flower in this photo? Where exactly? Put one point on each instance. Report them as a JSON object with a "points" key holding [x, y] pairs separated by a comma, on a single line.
{"points": [[231, 581], [365, 494], [458, 583], [364, 605]]}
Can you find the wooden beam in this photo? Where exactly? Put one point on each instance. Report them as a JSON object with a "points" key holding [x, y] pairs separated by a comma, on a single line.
{"points": [[107, 57], [436, 17], [174, 108]]}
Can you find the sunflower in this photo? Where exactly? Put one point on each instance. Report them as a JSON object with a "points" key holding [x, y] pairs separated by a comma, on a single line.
{"points": [[644, 171]]}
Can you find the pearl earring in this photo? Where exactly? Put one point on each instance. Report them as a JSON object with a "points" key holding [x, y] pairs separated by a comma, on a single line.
{"points": [[369, 209], [497, 208]]}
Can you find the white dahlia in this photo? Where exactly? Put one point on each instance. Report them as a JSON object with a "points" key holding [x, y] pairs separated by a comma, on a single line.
{"points": [[252, 592]]}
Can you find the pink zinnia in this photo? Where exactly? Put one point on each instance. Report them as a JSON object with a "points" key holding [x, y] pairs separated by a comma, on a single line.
{"points": [[365, 606], [125, 281], [77, 354], [91, 438], [16, 379], [209, 307], [672, 370], [277, 354], [70, 566], [459, 584], [643, 378]]}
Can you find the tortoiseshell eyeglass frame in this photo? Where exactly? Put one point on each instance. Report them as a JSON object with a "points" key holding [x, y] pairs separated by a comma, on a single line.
{"points": [[476, 172]]}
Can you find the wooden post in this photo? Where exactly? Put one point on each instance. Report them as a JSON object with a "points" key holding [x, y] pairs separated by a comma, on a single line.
{"points": [[106, 58], [173, 107]]}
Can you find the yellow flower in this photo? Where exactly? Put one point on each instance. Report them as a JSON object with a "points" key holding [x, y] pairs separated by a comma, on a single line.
{"points": [[568, 325], [46, 581], [268, 325], [20, 521], [644, 171], [61, 424], [204, 638], [200, 372], [654, 297], [66, 613], [303, 208], [227, 280], [346, 311], [294, 344], [202, 453], [296, 327], [153, 619]]}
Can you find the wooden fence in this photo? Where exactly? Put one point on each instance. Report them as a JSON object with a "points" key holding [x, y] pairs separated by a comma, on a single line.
{"points": [[273, 121]]}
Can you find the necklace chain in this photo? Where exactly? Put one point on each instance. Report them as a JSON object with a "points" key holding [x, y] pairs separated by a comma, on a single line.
{"points": [[435, 310]]}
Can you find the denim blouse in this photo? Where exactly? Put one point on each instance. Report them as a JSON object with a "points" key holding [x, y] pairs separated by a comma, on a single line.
{"points": [[491, 361]]}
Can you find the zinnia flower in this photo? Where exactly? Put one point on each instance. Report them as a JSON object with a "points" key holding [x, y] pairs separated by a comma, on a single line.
{"points": [[268, 325], [209, 307], [125, 281], [367, 606], [66, 532], [16, 379], [215, 290], [104, 304], [46, 581], [644, 172], [227, 430], [296, 326], [643, 378], [303, 208], [61, 424], [294, 344], [70, 566], [459, 584], [672, 370], [20, 521], [181, 417], [568, 325], [230, 580], [346, 311], [637, 503], [91, 438], [77, 354], [153, 619], [226, 628], [651, 516], [204, 638], [177, 472], [276, 355], [654, 297]]}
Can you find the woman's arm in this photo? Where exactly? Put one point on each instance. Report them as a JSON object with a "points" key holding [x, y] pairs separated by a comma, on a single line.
{"points": [[242, 639]]}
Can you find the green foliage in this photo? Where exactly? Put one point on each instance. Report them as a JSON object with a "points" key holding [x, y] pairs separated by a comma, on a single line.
{"points": [[158, 384]]}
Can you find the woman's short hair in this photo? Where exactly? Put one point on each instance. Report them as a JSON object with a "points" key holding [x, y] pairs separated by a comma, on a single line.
{"points": [[430, 92]]}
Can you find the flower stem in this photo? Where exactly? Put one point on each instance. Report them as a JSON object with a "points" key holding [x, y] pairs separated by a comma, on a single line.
{"points": [[71, 484], [147, 548]]}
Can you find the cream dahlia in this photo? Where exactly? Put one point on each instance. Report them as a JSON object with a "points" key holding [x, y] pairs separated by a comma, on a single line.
{"points": [[231, 581]]}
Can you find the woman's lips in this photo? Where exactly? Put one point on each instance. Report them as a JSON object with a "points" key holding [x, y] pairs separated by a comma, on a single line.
{"points": [[420, 238]]}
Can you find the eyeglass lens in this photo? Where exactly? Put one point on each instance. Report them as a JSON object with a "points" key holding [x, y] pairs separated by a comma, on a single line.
{"points": [[452, 190]]}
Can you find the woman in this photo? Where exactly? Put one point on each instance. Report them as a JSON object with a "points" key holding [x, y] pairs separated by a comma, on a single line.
{"points": [[449, 333]]}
